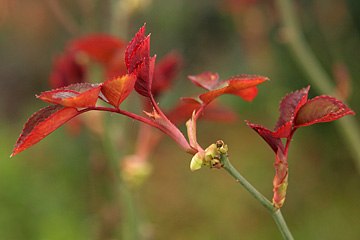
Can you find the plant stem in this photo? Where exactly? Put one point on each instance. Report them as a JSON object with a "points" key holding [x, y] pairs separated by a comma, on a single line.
{"points": [[280, 221], [171, 130], [276, 213], [315, 72]]}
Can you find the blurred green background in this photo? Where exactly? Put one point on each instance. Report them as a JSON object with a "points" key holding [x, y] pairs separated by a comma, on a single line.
{"points": [[65, 187]]}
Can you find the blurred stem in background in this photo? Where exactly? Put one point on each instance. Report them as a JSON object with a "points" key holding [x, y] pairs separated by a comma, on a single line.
{"points": [[317, 75], [63, 18]]}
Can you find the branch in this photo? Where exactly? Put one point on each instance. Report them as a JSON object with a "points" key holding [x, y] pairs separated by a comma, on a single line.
{"points": [[276, 213]]}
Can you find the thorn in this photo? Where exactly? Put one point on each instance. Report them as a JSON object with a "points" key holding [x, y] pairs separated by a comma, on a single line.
{"points": [[237, 181]]}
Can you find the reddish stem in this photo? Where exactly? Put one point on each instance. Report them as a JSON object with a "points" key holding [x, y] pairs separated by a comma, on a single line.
{"points": [[180, 141], [288, 140], [199, 111]]}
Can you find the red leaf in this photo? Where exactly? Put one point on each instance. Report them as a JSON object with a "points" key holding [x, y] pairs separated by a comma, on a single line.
{"points": [[288, 105], [66, 70], [139, 37], [267, 135], [41, 124], [165, 72], [144, 73], [207, 80], [247, 94], [321, 109], [141, 53], [137, 59], [118, 89], [237, 86], [191, 100], [99, 47], [76, 95], [284, 131]]}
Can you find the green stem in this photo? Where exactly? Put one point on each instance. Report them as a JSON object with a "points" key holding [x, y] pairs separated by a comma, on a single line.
{"points": [[315, 72], [280, 221], [276, 213]]}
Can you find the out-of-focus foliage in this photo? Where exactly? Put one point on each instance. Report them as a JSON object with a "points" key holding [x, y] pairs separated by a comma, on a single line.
{"points": [[62, 190]]}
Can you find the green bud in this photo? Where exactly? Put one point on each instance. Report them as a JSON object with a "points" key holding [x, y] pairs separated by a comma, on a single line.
{"points": [[197, 161], [210, 152], [223, 149]]}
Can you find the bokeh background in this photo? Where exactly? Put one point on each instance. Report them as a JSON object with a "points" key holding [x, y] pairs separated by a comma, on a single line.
{"points": [[65, 187]]}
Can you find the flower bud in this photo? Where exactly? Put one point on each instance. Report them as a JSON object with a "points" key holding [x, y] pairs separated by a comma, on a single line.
{"points": [[210, 152], [197, 160]]}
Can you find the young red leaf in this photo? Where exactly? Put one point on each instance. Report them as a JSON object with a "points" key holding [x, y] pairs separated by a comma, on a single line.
{"points": [[118, 89], [138, 39], [320, 109], [237, 86], [144, 73], [76, 95], [288, 105], [247, 94], [141, 53], [267, 135], [99, 47], [41, 124], [284, 131], [207, 80]]}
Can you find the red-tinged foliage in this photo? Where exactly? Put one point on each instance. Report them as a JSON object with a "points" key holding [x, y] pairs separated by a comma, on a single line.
{"points": [[145, 73], [320, 109], [118, 89], [284, 131], [99, 47], [274, 142], [41, 124], [165, 71], [243, 86], [79, 95], [207, 80], [140, 54], [137, 59], [133, 44], [288, 105], [66, 70]]}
